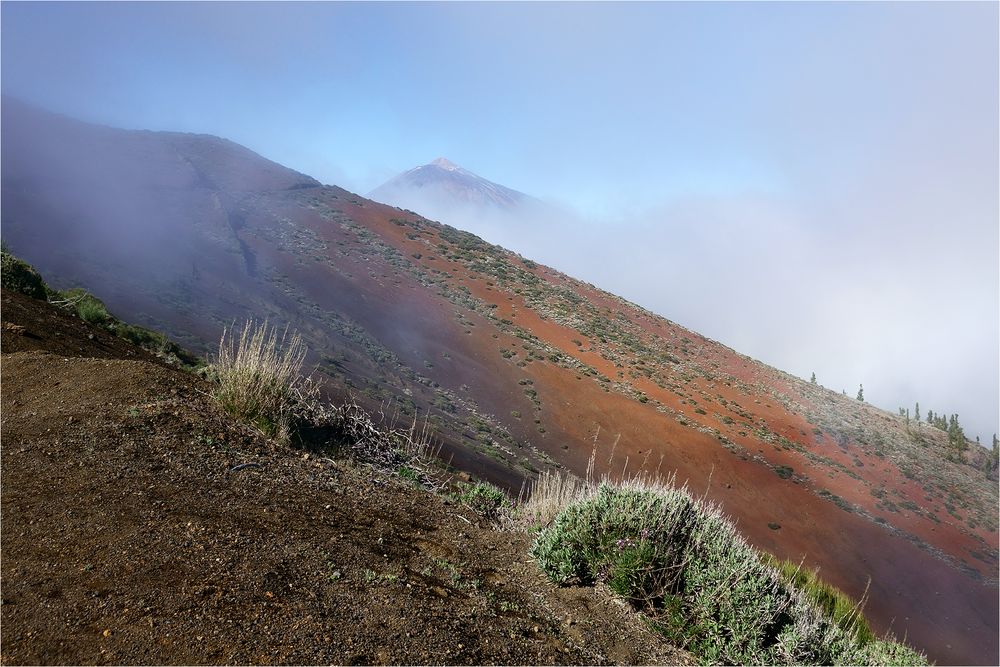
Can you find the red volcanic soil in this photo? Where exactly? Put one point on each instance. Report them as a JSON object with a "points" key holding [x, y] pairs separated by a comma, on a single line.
{"points": [[517, 368], [827, 511]]}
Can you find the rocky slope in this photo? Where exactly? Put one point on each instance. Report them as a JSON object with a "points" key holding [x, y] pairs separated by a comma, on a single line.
{"points": [[516, 366], [131, 537]]}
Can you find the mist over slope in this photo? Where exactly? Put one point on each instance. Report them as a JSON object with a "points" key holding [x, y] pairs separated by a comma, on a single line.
{"points": [[716, 264], [444, 191], [518, 367]]}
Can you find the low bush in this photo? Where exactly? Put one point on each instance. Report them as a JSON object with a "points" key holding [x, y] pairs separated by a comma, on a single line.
{"points": [[86, 306], [485, 499], [19, 276], [682, 562], [22, 277], [371, 438]]}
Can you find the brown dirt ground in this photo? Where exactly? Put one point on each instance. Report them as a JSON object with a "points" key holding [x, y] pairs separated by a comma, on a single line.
{"points": [[128, 538]]}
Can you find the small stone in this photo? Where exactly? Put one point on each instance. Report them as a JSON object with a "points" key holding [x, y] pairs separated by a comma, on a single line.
{"points": [[107, 633]]}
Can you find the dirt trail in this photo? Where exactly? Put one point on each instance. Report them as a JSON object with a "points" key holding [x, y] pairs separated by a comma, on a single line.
{"points": [[128, 538]]}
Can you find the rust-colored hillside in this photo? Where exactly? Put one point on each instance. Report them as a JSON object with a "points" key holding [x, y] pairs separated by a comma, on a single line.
{"points": [[517, 366]]}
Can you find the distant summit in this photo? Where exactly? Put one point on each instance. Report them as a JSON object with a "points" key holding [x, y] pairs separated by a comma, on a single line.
{"points": [[445, 163], [442, 185]]}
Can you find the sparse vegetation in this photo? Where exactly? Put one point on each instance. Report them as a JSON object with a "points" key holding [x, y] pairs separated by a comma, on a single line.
{"points": [[19, 276], [784, 472]]}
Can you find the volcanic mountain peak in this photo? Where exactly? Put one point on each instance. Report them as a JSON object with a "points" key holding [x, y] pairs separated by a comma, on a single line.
{"points": [[445, 163], [435, 189]]}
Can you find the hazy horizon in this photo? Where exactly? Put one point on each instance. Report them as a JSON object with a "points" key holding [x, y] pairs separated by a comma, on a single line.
{"points": [[814, 184]]}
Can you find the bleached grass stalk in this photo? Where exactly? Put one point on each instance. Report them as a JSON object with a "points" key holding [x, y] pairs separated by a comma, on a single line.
{"points": [[552, 492], [548, 495], [258, 376]]}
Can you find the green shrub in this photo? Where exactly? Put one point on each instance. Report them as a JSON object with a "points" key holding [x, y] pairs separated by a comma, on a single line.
{"points": [[91, 309], [589, 538], [485, 499], [86, 306], [684, 564], [19, 276], [144, 338], [408, 473]]}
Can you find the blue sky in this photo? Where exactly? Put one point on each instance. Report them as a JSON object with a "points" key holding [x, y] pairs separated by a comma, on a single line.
{"points": [[810, 183], [653, 98]]}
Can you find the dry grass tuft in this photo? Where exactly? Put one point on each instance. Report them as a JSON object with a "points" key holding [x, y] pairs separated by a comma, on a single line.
{"points": [[552, 492], [258, 376], [548, 495]]}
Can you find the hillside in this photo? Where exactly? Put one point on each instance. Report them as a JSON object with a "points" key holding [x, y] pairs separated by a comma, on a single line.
{"points": [[123, 472], [517, 367]]}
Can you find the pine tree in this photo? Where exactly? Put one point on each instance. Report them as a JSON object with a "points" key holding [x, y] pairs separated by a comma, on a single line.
{"points": [[916, 414], [861, 393], [956, 435], [813, 378]]}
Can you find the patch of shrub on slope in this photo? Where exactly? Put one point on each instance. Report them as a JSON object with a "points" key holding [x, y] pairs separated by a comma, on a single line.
{"points": [[19, 276], [701, 584]]}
